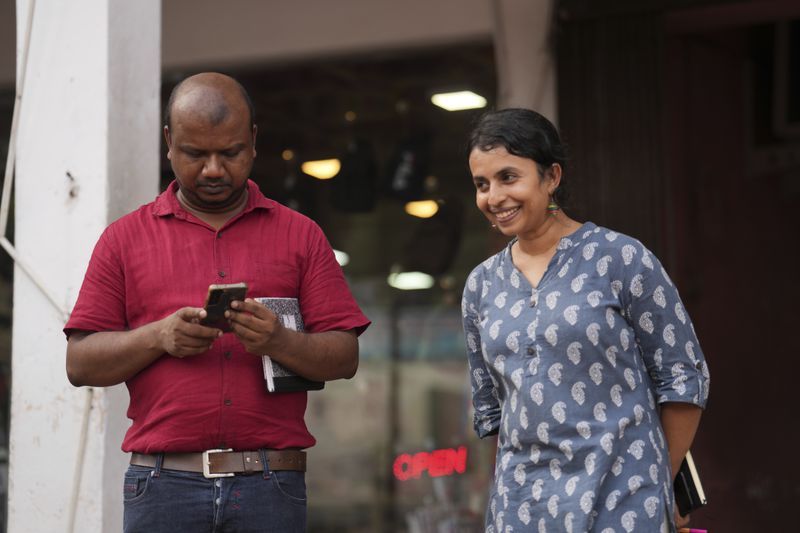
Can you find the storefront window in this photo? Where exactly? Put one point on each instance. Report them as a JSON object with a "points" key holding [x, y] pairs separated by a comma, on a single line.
{"points": [[396, 450]]}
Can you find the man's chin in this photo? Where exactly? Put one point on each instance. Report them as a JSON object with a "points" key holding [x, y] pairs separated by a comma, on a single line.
{"points": [[216, 200]]}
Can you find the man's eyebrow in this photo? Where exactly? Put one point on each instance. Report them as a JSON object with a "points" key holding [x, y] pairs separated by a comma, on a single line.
{"points": [[188, 146]]}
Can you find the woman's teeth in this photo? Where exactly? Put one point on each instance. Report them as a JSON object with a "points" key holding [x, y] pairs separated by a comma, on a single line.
{"points": [[506, 214]]}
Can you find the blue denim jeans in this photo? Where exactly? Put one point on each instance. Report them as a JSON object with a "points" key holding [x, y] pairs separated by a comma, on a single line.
{"points": [[170, 501]]}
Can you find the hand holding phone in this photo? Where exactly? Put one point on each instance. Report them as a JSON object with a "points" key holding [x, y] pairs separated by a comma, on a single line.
{"points": [[219, 300]]}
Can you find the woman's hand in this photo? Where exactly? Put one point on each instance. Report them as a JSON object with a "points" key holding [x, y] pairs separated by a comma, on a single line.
{"points": [[680, 521]]}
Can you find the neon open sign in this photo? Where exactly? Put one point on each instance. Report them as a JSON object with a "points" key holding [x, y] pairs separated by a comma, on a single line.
{"points": [[444, 462]]}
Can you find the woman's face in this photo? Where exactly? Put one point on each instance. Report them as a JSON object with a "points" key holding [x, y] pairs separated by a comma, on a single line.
{"points": [[511, 192]]}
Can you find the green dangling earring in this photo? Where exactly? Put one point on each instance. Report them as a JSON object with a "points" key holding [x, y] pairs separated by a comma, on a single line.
{"points": [[553, 208]]}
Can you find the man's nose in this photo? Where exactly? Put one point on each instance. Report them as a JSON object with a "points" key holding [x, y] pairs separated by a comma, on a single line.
{"points": [[213, 168]]}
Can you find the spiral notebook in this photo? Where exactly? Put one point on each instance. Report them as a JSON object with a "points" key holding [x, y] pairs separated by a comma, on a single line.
{"points": [[689, 493], [277, 377]]}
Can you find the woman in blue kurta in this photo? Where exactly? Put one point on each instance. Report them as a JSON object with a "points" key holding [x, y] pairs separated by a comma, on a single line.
{"points": [[582, 357]]}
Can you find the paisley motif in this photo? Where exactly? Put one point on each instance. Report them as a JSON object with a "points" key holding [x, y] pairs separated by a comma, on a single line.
{"points": [[577, 282], [517, 308], [571, 314], [500, 300], [551, 334], [602, 265], [559, 412], [551, 300], [628, 251], [596, 373], [566, 448], [574, 352], [578, 393], [588, 250], [555, 468], [552, 505], [594, 298]]}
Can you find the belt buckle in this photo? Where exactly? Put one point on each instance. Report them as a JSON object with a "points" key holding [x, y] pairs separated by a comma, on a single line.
{"points": [[207, 464]]}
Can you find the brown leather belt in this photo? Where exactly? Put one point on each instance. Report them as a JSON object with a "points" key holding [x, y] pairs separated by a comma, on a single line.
{"points": [[224, 463]]}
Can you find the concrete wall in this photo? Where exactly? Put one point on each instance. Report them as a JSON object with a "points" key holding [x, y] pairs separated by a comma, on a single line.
{"points": [[87, 151]]}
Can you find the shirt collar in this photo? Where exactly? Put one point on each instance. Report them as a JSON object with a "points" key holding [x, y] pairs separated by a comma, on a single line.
{"points": [[167, 202], [565, 243]]}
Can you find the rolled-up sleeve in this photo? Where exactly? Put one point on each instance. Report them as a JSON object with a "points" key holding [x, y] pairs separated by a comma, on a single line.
{"points": [[484, 393], [664, 333]]}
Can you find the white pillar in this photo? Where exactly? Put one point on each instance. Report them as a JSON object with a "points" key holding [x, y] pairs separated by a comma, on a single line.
{"points": [[525, 53], [87, 152]]}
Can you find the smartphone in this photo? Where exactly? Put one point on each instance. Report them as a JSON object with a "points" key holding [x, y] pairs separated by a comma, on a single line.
{"points": [[219, 300]]}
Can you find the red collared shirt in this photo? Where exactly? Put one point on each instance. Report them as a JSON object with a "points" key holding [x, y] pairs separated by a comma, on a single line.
{"points": [[160, 258]]}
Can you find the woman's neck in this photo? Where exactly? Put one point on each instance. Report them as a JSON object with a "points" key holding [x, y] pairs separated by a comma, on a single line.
{"points": [[544, 240]]}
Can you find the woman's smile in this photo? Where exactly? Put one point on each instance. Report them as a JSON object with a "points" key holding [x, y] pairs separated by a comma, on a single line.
{"points": [[505, 215]]}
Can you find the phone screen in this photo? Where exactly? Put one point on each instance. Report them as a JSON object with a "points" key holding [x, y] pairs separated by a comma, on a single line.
{"points": [[219, 300]]}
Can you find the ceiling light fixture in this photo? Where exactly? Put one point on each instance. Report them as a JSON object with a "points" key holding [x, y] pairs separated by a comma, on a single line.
{"points": [[343, 258], [422, 208], [410, 281], [322, 169], [459, 101]]}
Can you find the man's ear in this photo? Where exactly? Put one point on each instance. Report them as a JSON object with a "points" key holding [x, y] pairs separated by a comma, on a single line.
{"points": [[168, 139], [255, 133]]}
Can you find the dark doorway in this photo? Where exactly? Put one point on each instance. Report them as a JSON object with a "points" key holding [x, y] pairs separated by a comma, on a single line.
{"points": [[682, 134]]}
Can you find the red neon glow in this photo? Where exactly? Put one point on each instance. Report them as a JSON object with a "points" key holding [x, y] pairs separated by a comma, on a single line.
{"points": [[444, 462]]}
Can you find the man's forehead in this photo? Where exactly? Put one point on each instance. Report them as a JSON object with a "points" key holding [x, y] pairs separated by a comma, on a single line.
{"points": [[214, 98]]}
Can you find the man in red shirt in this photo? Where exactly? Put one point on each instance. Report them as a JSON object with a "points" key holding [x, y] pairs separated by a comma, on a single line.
{"points": [[194, 388]]}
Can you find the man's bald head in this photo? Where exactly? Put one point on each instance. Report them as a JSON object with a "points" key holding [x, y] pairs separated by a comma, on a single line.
{"points": [[213, 95]]}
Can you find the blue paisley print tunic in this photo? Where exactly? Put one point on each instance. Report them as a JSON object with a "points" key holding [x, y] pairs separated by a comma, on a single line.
{"points": [[569, 375]]}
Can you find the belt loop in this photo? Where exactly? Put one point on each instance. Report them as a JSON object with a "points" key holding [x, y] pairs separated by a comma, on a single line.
{"points": [[264, 461], [159, 462]]}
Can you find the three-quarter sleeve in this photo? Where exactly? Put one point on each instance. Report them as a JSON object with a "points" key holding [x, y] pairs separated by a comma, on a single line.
{"points": [[664, 332], [484, 392]]}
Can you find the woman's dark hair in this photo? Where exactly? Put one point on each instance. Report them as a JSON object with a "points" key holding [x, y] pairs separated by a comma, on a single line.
{"points": [[523, 133]]}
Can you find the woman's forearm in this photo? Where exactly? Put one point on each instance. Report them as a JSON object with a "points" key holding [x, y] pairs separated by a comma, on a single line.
{"points": [[680, 421]]}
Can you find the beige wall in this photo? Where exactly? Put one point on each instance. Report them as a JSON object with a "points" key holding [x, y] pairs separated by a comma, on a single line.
{"points": [[208, 32], [256, 31]]}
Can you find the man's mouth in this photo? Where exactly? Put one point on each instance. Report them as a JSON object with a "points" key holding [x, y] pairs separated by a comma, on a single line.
{"points": [[213, 187]]}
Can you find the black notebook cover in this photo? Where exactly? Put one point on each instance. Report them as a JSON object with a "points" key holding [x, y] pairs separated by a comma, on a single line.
{"points": [[689, 493], [276, 377]]}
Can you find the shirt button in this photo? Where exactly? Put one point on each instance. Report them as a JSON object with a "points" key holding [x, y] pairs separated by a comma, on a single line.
{"points": [[221, 273], [228, 401], [699, 365], [228, 355], [531, 350], [218, 483]]}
